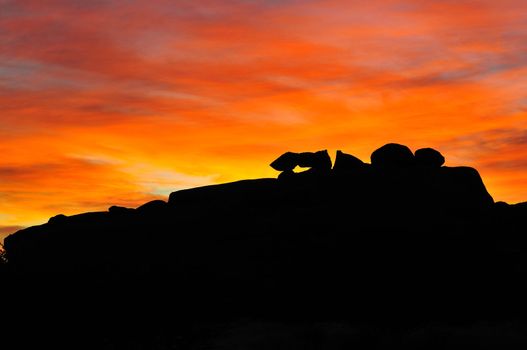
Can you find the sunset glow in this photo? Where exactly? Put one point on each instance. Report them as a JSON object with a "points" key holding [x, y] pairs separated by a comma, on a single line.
{"points": [[119, 102]]}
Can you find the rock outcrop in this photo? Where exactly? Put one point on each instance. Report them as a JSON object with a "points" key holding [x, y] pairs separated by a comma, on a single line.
{"points": [[398, 241], [419, 183]]}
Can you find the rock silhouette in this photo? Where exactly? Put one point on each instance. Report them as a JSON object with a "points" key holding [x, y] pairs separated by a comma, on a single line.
{"points": [[392, 155], [429, 157], [346, 162], [57, 219], [317, 161], [153, 206], [286, 162], [114, 209], [372, 251]]}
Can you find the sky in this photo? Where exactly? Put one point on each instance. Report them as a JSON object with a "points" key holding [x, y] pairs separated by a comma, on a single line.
{"points": [[120, 102]]}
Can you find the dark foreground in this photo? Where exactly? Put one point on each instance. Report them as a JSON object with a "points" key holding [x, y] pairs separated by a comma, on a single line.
{"points": [[398, 253]]}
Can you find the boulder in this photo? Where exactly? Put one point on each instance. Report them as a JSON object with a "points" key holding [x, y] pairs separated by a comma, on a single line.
{"points": [[115, 209], [57, 219], [317, 161], [243, 191], [286, 162], [392, 155], [463, 188], [346, 162], [429, 157], [153, 206]]}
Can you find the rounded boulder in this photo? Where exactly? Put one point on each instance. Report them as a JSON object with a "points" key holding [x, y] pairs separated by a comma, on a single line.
{"points": [[392, 155], [429, 157]]}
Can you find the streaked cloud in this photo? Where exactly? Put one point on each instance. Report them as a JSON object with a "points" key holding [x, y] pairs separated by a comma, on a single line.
{"points": [[117, 102]]}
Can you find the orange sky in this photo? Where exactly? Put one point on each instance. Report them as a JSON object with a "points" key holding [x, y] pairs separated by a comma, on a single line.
{"points": [[119, 102]]}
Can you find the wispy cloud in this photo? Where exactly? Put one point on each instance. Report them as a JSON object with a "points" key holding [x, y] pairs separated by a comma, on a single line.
{"points": [[106, 102]]}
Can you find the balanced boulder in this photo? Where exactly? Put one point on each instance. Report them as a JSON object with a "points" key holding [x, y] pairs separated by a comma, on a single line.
{"points": [[317, 161], [429, 157], [286, 162], [392, 155]]}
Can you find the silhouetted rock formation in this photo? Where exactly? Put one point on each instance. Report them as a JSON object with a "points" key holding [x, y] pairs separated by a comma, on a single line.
{"points": [[429, 157], [392, 155], [346, 162], [317, 161], [114, 209], [153, 206], [286, 162], [57, 219], [401, 243]]}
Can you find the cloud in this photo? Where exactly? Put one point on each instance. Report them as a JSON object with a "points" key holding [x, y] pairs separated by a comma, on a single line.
{"points": [[519, 165], [106, 102], [495, 140]]}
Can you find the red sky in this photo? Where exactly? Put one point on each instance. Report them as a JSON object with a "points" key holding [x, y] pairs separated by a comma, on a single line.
{"points": [[119, 102]]}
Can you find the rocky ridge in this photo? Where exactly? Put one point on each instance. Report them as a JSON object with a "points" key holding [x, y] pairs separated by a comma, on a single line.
{"points": [[396, 241]]}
